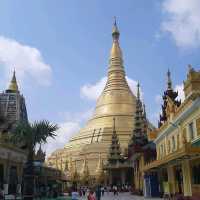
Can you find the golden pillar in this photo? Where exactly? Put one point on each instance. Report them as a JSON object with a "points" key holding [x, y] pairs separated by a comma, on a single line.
{"points": [[187, 187], [171, 179]]}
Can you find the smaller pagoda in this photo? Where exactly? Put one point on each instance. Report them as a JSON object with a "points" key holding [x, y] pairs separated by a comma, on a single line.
{"points": [[139, 136], [117, 166], [139, 148], [40, 155], [85, 174]]}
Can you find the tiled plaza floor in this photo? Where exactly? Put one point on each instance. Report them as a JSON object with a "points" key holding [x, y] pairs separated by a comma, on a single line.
{"points": [[123, 196]]}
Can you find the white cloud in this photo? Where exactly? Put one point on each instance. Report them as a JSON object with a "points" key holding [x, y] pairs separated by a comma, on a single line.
{"points": [[26, 60], [70, 126], [181, 95], [93, 91], [155, 114], [133, 86], [182, 21], [65, 132], [158, 99], [77, 116]]}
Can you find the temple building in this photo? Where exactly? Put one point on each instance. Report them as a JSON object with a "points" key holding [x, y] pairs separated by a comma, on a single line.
{"points": [[116, 101], [12, 105], [46, 176], [177, 140], [12, 158]]}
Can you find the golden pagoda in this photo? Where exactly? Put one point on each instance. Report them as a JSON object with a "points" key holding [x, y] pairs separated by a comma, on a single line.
{"points": [[116, 101]]}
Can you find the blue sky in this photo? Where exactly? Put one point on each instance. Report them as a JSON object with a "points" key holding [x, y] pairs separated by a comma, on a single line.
{"points": [[60, 51]]}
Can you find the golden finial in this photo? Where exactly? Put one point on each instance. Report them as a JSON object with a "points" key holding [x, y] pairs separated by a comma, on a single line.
{"points": [[115, 31], [13, 84], [115, 50]]}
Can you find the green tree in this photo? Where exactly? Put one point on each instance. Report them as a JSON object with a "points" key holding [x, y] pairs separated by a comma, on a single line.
{"points": [[29, 135]]}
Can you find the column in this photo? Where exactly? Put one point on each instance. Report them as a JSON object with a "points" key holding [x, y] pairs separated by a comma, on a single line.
{"points": [[187, 187], [171, 179], [7, 174], [110, 177], [123, 176]]}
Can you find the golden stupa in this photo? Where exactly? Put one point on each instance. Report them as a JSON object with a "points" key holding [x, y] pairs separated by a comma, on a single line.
{"points": [[117, 101]]}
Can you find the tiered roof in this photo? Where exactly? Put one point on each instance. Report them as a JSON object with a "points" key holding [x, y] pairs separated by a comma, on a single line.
{"points": [[168, 94], [115, 150], [139, 136]]}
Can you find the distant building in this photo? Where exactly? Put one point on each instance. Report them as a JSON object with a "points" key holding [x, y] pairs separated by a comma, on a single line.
{"points": [[47, 178], [12, 158], [12, 105]]}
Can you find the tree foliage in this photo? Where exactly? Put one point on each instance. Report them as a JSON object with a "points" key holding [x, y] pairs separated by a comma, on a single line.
{"points": [[31, 134]]}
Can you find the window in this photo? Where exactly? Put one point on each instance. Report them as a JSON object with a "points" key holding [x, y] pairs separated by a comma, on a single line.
{"points": [[162, 150], [173, 143], [191, 131], [178, 141], [196, 174], [169, 146]]}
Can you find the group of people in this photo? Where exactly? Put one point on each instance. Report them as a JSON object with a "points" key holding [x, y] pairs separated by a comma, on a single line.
{"points": [[97, 192], [91, 193]]}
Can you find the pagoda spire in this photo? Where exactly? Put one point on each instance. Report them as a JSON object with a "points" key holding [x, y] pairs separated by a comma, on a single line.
{"points": [[144, 111], [116, 72], [168, 93], [138, 91], [116, 52], [169, 81], [139, 119], [100, 164], [115, 31], [13, 84]]}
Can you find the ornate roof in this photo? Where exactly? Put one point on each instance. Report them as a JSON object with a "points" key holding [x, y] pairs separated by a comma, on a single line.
{"points": [[169, 97]]}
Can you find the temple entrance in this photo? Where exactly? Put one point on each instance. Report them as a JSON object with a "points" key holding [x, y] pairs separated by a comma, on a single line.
{"points": [[179, 179], [129, 179], [116, 177], [13, 180]]}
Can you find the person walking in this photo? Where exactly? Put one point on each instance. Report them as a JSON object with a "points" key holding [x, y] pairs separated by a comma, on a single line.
{"points": [[115, 190], [75, 194], [102, 191], [1, 192], [91, 195], [98, 192]]}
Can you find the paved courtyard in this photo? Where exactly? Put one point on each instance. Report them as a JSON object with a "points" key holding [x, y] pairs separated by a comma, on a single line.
{"points": [[124, 196]]}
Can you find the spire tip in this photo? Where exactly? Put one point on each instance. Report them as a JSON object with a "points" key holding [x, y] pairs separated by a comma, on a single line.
{"points": [[138, 90], [169, 81]]}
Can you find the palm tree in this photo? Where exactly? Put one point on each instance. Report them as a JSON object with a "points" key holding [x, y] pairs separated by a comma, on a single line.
{"points": [[29, 135]]}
